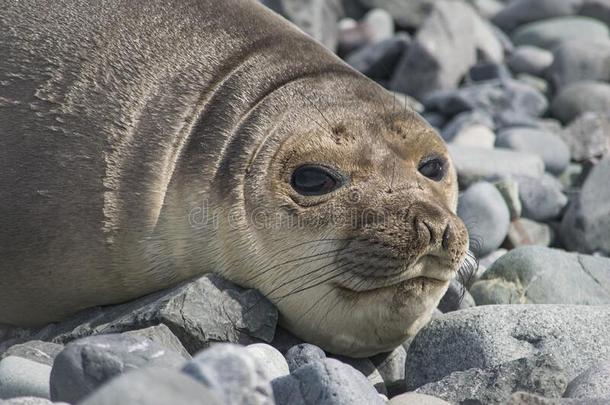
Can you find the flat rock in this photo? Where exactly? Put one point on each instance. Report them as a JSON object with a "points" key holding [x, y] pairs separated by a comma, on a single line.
{"points": [[21, 377], [487, 336], [551, 32], [36, 350], [540, 275], [588, 136], [592, 383], [530, 59], [161, 335], [153, 386], [586, 223], [580, 97], [520, 12], [494, 385], [86, 364], [577, 60], [325, 382]]}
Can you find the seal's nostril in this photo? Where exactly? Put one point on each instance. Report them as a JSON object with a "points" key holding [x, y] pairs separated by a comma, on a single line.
{"points": [[447, 236], [431, 232]]}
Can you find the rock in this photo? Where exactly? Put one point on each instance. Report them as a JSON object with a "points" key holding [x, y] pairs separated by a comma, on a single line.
{"points": [[270, 358], [302, 354], [509, 189], [153, 386], [539, 374], [444, 48], [465, 120], [208, 309], [406, 13], [233, 373], [486, 216], [435, 119], [367, 369], [284, 341], [592, 383], [29, 401], [530, 59], [413, 398], [21, 377], [486, 8], [578, 60], [325, 382], [525, 232], [87, 363], [36, 350], [487, 336], [456, 298], [391, 367], [551, 32], [542, 197], [598, 9], [539, 275], [580, 97], [588, 136], [551, 148], [535, 82], [378, 24], [487, 71], [475, 164], [520, 12], [475, 136], [490, 259], [586, 223], [524, 398], [318, 18], [377, 60], [161, 335]]}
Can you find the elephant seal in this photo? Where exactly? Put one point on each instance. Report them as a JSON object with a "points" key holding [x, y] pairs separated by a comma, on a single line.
{"points": [[146, 142]]}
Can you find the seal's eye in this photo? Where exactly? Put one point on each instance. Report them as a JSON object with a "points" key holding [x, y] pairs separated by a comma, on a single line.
{"points": [[315, 180], [433, 168]]}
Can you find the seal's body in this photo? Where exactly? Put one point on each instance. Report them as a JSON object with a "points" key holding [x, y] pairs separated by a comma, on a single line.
{"points": [[146, 142]]}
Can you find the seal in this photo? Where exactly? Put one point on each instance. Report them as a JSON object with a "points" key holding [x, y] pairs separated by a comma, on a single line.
{"points": [[148, 142]]}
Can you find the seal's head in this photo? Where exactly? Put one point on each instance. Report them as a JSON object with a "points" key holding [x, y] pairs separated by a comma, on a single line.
{"points": [[352, 219]]}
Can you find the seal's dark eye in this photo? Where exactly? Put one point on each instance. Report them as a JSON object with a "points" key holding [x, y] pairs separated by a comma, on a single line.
{"points": [[433, 168], [315, 180]]}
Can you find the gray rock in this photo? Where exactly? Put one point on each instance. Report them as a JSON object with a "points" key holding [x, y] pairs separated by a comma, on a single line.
{"points": [[325, 382], [541, 197], [586, 223], [475, 164], [30, 401], [578, 60], [520, 12], [535, 82], [592, 383], [487, 336], [487, 71], [476, 136], [588, 136], [466, 120], [509, 189], [270, 358], [551, 32], [598, 9], [539, 374], [161, 335], [378, 24], [491, 258], [302, 354], [414, 398], [377, 60], [153, 386], [525, 232], [233, 373], [580, 97], [86, 364], [21, 377], [524, 398], [456, 298], [391, 367], [317, 18], [367, 369], [208, 309], [486, 216], [539, 275], [36, 350], [406, 13], [530, 59], [551, 148], [444, 48]]}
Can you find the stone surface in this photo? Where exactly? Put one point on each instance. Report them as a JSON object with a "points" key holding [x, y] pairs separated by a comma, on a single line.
{"points": [[551, 148], [524, 398], [161, 335], [407, 13], [509, 189], [525, 232], [539, 275], [302, 354], [476, 136], [233, 373], [551, 32], [378, 60], [530, 59], [456, 298], [368, 369], [487, 71], [153, 386], [414, 398], [592, 383], [520, 12], [588, 136], [486, 216], [577, 60], [443, 50], [539, 374], [86, 364], [36, 350], [29, 401], [21, 377], [270, 358], [204, 310], [541, 197], [391, 367], [580, 97], [465, 120], [487, 336], [325, 382], [586, 223], [474, 164]]}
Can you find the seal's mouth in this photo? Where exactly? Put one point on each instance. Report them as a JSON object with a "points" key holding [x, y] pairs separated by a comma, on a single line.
{"points": [[414, 282]]}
